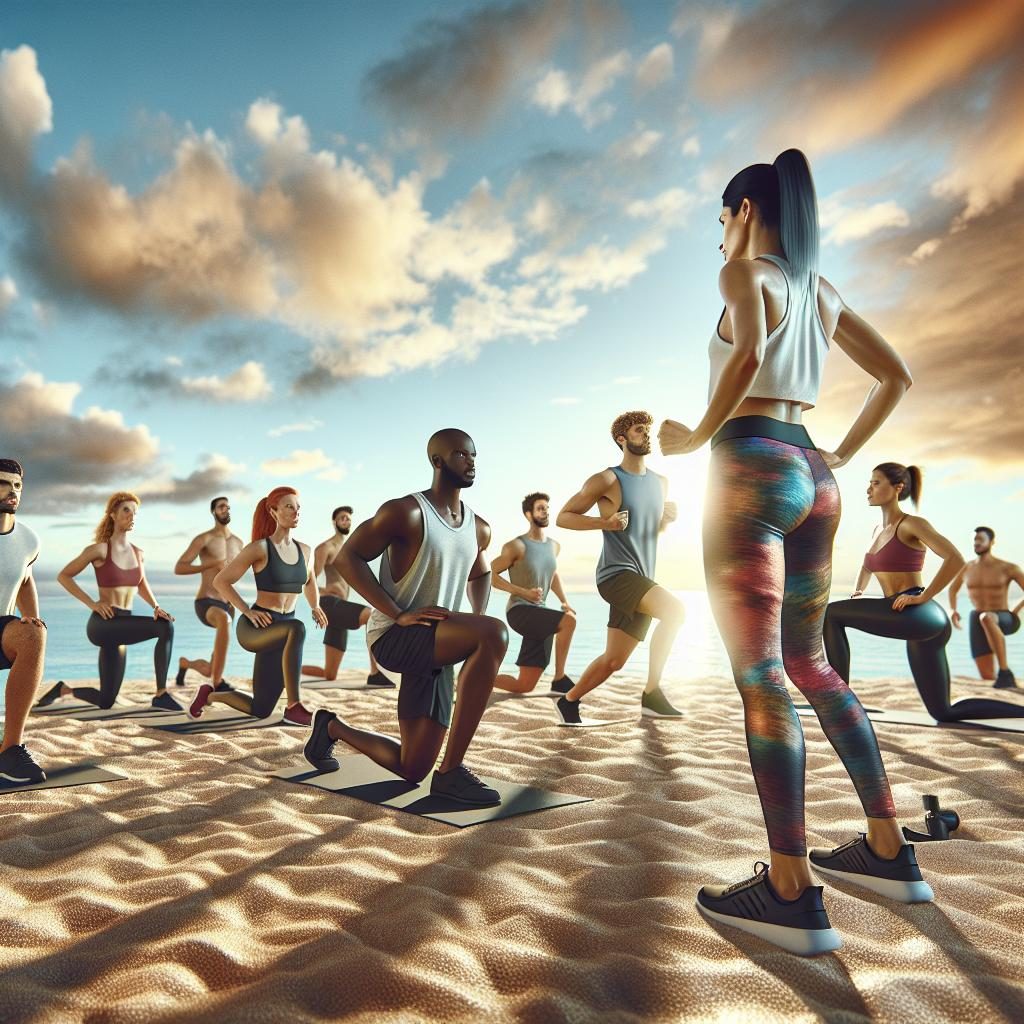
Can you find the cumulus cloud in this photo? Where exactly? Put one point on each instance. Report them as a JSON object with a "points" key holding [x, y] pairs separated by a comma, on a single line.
{"points": [[216, 474], [843, 223], [656, 67], [25, 112], [669, 207], [555, 91], [306, 426], [302, 462], [8, 293], [639, 143], [247, 384], [691, 146]]}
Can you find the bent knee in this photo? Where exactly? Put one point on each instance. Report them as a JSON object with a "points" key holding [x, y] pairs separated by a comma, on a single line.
{"points": [[614, 662], [416, 771], [297, 628], [991, 617], [25, 636], [494, 632]]}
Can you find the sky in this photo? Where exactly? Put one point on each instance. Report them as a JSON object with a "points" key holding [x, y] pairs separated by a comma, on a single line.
{"points": [[252, 244]]}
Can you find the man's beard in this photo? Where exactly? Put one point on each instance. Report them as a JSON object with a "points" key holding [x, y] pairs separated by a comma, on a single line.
{"points": [[541, 521], [224, 519], [449, 476], [639, 449], [9, 507], [342, 530]]}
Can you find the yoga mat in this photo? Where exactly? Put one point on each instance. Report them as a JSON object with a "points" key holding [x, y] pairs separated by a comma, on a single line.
{"points": [[500, 696], [213, 722], [361, 778], [595, 723], [90, 713], [348, 684], [922, 718], [71, 775]]}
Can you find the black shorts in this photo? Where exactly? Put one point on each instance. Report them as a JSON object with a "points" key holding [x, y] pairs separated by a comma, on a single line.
{"points": [[426, 690], [204, 603], [623, 592], [537, 626], [1008, 625], [5, 621], [342, 616]]}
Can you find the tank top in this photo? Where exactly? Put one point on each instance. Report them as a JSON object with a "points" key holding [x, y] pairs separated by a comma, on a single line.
{"points": [[279, 576], [794, 354], [19, 548], [534, 569], [894, 556], [110, 574], [635, 548], [438, 573]]}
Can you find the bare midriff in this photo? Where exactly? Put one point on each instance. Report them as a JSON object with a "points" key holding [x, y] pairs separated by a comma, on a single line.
{"points": [[118, 597], [893, 583], [273, 601], [773, 408]]}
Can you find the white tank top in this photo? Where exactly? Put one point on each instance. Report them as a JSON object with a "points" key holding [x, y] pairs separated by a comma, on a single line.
{"points": [[438, 573], [19, 548], [794, 355]]}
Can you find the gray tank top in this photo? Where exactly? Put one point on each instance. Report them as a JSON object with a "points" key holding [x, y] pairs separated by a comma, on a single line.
{"points": [[534, 569], [18, 550], [635, 548], [438, 573]]}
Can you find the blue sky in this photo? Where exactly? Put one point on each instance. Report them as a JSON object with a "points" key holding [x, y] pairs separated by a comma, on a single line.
{"points": [[252, 244]]}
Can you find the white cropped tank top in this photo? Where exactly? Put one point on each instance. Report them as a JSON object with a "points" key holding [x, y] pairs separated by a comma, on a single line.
{"points": [[794, 355]]}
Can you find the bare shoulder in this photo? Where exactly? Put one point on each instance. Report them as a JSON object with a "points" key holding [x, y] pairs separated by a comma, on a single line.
{"points": [[741, 275], [483, 530], [601, 481], [514, 547]]}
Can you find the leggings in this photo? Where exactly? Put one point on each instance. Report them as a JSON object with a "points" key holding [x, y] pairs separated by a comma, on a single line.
{"points": [[111, 636], [771, 514], [278, 650], [926, 630]]}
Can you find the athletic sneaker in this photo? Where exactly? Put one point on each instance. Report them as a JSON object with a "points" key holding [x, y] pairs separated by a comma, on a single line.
{"points": [[52, 694], [563, 685], [461, 785], [296, 714], [1005, 680], [179, 679], [17, 765], [380, 680], [224, 687], [855, 862], [195, 709], [568, 711], [165, 702], [798, 926], [319, 747], [656, 705]]}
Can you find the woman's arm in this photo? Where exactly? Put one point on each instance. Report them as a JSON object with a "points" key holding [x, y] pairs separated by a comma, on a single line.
{"points": [[66, 578], [311, 590], [146, 593], [918, 528], [225, 580], [863, 579]]}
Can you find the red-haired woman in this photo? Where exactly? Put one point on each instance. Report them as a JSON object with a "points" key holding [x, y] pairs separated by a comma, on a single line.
{"points": [[120, 572], [282, 568]]}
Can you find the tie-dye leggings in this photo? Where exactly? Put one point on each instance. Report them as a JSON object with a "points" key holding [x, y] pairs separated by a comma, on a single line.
{"points": [[771, 514]]}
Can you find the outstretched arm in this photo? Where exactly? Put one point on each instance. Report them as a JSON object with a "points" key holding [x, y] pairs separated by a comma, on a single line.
{"points": [[573, 515]]}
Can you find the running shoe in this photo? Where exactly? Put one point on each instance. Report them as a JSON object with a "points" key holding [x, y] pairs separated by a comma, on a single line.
{"points": [[464, 787], [51, 695], [1005, 680], [296, 714], [195, 709], [319, 747], [568, 711], [18, 766], [656, 705], [561, 686], [179, 679], [165, 702], [798, 926], [855, 862], [224, 687], [379, 680]]}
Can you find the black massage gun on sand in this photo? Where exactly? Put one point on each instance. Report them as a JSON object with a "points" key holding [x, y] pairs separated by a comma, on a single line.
{"points": [[938, 822]]}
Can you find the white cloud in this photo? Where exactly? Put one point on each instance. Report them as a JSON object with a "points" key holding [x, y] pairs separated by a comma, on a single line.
{"points": [[247, 384], [299, 463], [25, 112], [265, 124], [637, 144], [542, 215], [306, 426], [848, 224], [656, 67], [691, 146], [669, 207], [174, 361], [927, 248], [554, 91], [567, 400], [8, 293]]}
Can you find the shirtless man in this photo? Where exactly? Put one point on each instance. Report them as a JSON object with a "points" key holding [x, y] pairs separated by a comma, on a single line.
{"points": [[342, 614], [632, 512], [433, 549], [988, 582], [531, 561], [22, 640], [214, 549]]}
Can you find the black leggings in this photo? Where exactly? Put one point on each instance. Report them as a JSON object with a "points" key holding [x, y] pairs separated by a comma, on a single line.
{"points": [[111, 636], [278, 650], [926, 630]]}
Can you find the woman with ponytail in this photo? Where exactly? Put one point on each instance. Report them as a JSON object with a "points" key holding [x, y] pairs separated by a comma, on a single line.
{"points": [[771, 514], [120, 573], [909, 610], [269, 629]]}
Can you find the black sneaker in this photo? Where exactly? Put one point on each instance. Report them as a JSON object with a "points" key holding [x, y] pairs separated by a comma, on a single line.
{"points": [[798, 926], [379, 680], [568, 711], [17, 766], [563, 685], [319, 747], [224, 687], [855, 862], [51, 695], [165, 702], [179, 679], [1005, 680], [461, 785]]}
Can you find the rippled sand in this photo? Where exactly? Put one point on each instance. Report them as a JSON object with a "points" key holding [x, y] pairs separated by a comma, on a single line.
{"points": [[201, 890]]}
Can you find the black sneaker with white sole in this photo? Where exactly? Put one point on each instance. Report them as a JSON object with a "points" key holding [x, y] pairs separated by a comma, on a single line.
{"points": [[165, 702], [563, 685], [463, 786], [798, 926], [319, 747], [18, 766], [51, 695], [568, 711], [855, 862], [379, 680]]}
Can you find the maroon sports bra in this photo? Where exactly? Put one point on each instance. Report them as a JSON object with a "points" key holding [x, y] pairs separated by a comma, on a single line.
{"points": [[110, 574], [894, 556]]}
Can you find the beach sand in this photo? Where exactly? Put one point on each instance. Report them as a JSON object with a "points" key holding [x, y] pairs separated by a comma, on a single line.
{"points": [[203, 890]]}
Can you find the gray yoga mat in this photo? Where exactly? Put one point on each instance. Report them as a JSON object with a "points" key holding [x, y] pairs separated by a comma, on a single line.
{"points": [[233, 722], [70, 775], [316, 683], [361, 778], [921, 718], [89, 713]]}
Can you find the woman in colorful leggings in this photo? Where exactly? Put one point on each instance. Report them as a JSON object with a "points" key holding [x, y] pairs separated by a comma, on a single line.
{"points": [[909, 610], [771, 514]]}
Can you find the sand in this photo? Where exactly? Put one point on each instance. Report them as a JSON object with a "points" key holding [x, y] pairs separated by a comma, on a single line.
{"points": [[202, 890]]}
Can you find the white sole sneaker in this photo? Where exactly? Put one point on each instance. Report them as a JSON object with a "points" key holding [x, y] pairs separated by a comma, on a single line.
{"points": [[903, 892], [801, 941]]}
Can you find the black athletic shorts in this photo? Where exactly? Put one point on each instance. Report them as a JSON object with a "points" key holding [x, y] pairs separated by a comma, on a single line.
{"points": [[537, 626], [1008, 625], [426, 691], [202, 604], [5, 621], [623, 592], [342, 616]]}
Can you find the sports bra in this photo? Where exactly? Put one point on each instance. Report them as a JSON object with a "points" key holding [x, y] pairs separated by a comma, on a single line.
{"points": [[894, 559], [280, 577], [110, 574]]}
